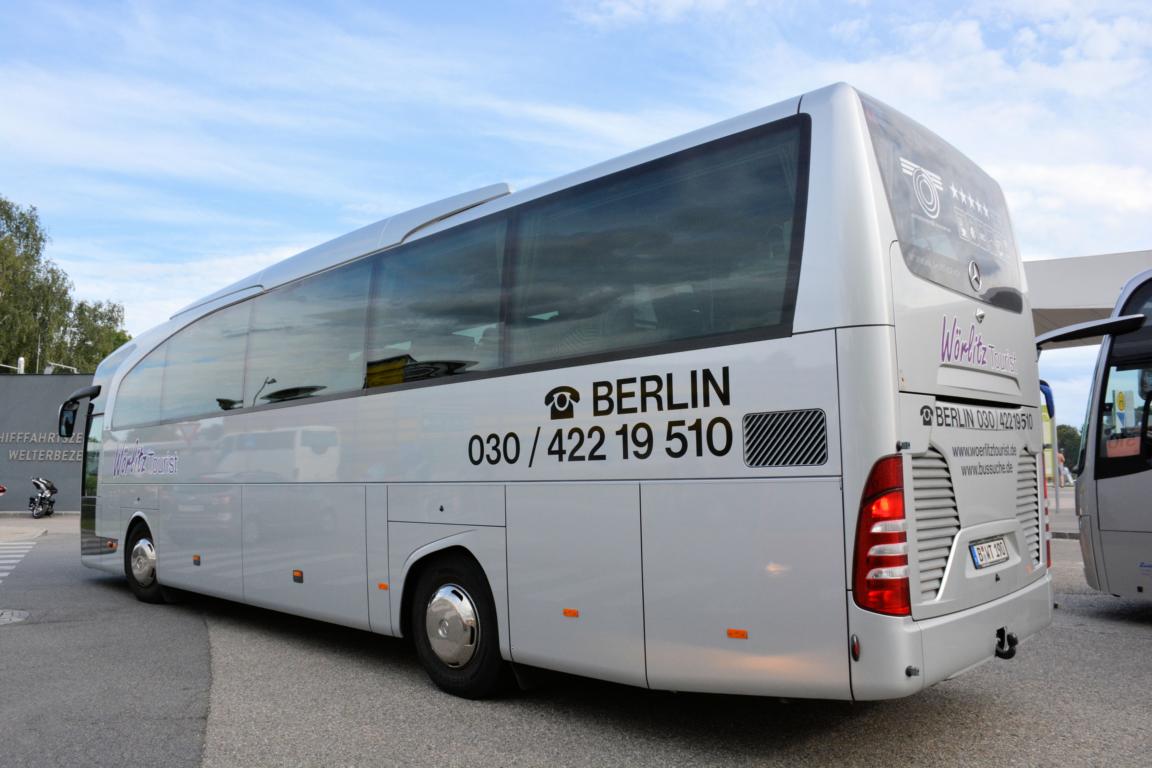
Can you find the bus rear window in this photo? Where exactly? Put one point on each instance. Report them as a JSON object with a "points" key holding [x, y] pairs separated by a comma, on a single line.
{"points": [[950, 216]]}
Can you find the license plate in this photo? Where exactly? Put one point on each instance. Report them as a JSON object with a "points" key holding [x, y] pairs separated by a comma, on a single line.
{"points": [[988, 552]]}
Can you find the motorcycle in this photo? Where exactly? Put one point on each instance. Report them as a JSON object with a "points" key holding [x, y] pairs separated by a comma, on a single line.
{"points": [[44, 502]]}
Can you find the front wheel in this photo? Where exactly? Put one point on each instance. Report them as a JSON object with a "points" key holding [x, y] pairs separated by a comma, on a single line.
{"points": [[453, 622], [36, 508], [140, 566]]}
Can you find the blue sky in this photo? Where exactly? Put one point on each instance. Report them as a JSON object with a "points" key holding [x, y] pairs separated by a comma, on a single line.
{"points": [[174, 147]]}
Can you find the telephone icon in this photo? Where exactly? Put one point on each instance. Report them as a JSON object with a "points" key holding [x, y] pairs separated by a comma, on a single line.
{"points": [[561, 400]]}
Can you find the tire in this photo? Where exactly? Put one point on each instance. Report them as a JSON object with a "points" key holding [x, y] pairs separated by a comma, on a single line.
{"points": [[142, 580], [37, 511], [461, 656]]}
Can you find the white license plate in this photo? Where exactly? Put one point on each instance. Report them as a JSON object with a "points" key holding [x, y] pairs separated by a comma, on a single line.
{"points": [[988, 552]]}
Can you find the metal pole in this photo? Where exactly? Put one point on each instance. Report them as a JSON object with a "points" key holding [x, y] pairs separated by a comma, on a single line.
{"points": [[1057, 470]]}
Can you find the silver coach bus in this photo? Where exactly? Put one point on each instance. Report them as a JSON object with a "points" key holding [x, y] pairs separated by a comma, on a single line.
{"points": [[748, 411]]}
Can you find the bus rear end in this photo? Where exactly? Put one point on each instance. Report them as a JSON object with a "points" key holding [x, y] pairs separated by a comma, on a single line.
{"points": [[948, 554]]}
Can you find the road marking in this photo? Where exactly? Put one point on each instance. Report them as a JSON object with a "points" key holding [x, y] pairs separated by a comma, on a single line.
{"points": [[11, 553]]}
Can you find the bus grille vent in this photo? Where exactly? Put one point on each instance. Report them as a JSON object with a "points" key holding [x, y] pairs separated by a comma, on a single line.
{"points": [[786, 439], [1028, 504], [937, 518]]}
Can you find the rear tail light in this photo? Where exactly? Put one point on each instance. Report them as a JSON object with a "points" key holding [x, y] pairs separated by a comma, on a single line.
{"points": [[880, 566]]}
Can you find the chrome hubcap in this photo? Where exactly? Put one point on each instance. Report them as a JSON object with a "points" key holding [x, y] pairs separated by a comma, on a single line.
{"points": [[143, 562], [452, 625]]}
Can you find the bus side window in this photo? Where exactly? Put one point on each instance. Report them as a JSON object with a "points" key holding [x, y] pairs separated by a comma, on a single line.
{"points": [[1124, 437]]}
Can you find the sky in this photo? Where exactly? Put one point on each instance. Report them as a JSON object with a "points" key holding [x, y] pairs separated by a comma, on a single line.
{"points": [[172, 148]]}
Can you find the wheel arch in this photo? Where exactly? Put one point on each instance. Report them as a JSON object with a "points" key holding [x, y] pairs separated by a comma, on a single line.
{"points": [[484, 545]]}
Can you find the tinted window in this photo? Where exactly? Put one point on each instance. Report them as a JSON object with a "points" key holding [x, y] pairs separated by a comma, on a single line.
{"points": [[92, 444], [436, 309], [1125, 429], [1125, 439], [1136, 345], [948, 213], [138, 399], [308, 338], [205, 369], [695, 245]]}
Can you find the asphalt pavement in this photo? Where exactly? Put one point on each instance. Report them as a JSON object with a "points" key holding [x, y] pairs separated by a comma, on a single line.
{"points": [[93, 677]]}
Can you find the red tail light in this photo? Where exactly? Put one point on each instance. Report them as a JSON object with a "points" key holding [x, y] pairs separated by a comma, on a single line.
{"points": [[880, 567]]}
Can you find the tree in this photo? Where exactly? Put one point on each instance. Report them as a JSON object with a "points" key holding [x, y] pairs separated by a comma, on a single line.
{"points": [[1068, 440], [39, 320], [95, 329]]}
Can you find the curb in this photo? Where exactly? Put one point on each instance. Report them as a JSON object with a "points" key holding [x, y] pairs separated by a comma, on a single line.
{"points": [[27, 514], [1064, 535], [23, 536]]}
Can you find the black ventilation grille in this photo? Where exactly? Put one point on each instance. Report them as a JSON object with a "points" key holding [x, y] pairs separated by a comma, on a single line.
{"points": [[786, 439]]}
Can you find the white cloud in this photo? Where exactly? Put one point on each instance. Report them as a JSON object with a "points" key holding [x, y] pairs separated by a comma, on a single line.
{"points": [[152, 290]]}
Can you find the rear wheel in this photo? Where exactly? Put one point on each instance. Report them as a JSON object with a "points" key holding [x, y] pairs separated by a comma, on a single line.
{"points": [[140, 566], [453, 623]]}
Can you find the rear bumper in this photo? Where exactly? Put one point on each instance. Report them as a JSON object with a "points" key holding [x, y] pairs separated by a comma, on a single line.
{"points": [[956, 643], [900, 656]]}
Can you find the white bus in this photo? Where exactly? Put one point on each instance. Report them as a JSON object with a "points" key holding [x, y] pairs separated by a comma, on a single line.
{"points": [[749, 411], [1114, 467]]}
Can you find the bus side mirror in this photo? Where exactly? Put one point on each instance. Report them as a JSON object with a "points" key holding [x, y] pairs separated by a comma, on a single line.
{"points": [[67, 423]]}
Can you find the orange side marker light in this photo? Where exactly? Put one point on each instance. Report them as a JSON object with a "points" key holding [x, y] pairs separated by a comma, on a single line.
{"points": [[382, 586], [572, 613], [738, 634], [195, 559]]}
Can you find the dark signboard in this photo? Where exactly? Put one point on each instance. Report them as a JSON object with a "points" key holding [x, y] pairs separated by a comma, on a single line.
{"points": [[29, 445]]}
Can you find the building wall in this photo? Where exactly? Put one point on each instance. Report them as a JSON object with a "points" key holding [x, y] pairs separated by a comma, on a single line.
{"points": [[29, 445]]}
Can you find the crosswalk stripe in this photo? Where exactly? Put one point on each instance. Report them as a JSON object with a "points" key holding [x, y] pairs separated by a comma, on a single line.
{"points": [[11, 554]]}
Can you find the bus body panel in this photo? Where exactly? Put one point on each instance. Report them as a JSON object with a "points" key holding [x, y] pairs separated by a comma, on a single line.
{"points": [[1128, 561], [844, 277], [1123, 504], [889, 645], [576, 599], [866, 384], [304, 550], [755, 567], [106, 526], [198, 532], [1091, 551], [958, 348], [380, 590], [502, 429], [972, 475]]}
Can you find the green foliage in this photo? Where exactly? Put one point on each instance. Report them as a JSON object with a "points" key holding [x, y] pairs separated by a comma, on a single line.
{"points": [[1068, 440], [39, 320]]}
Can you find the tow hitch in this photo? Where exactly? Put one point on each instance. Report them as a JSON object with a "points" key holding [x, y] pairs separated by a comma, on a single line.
{"points": [[1006, 643]]}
